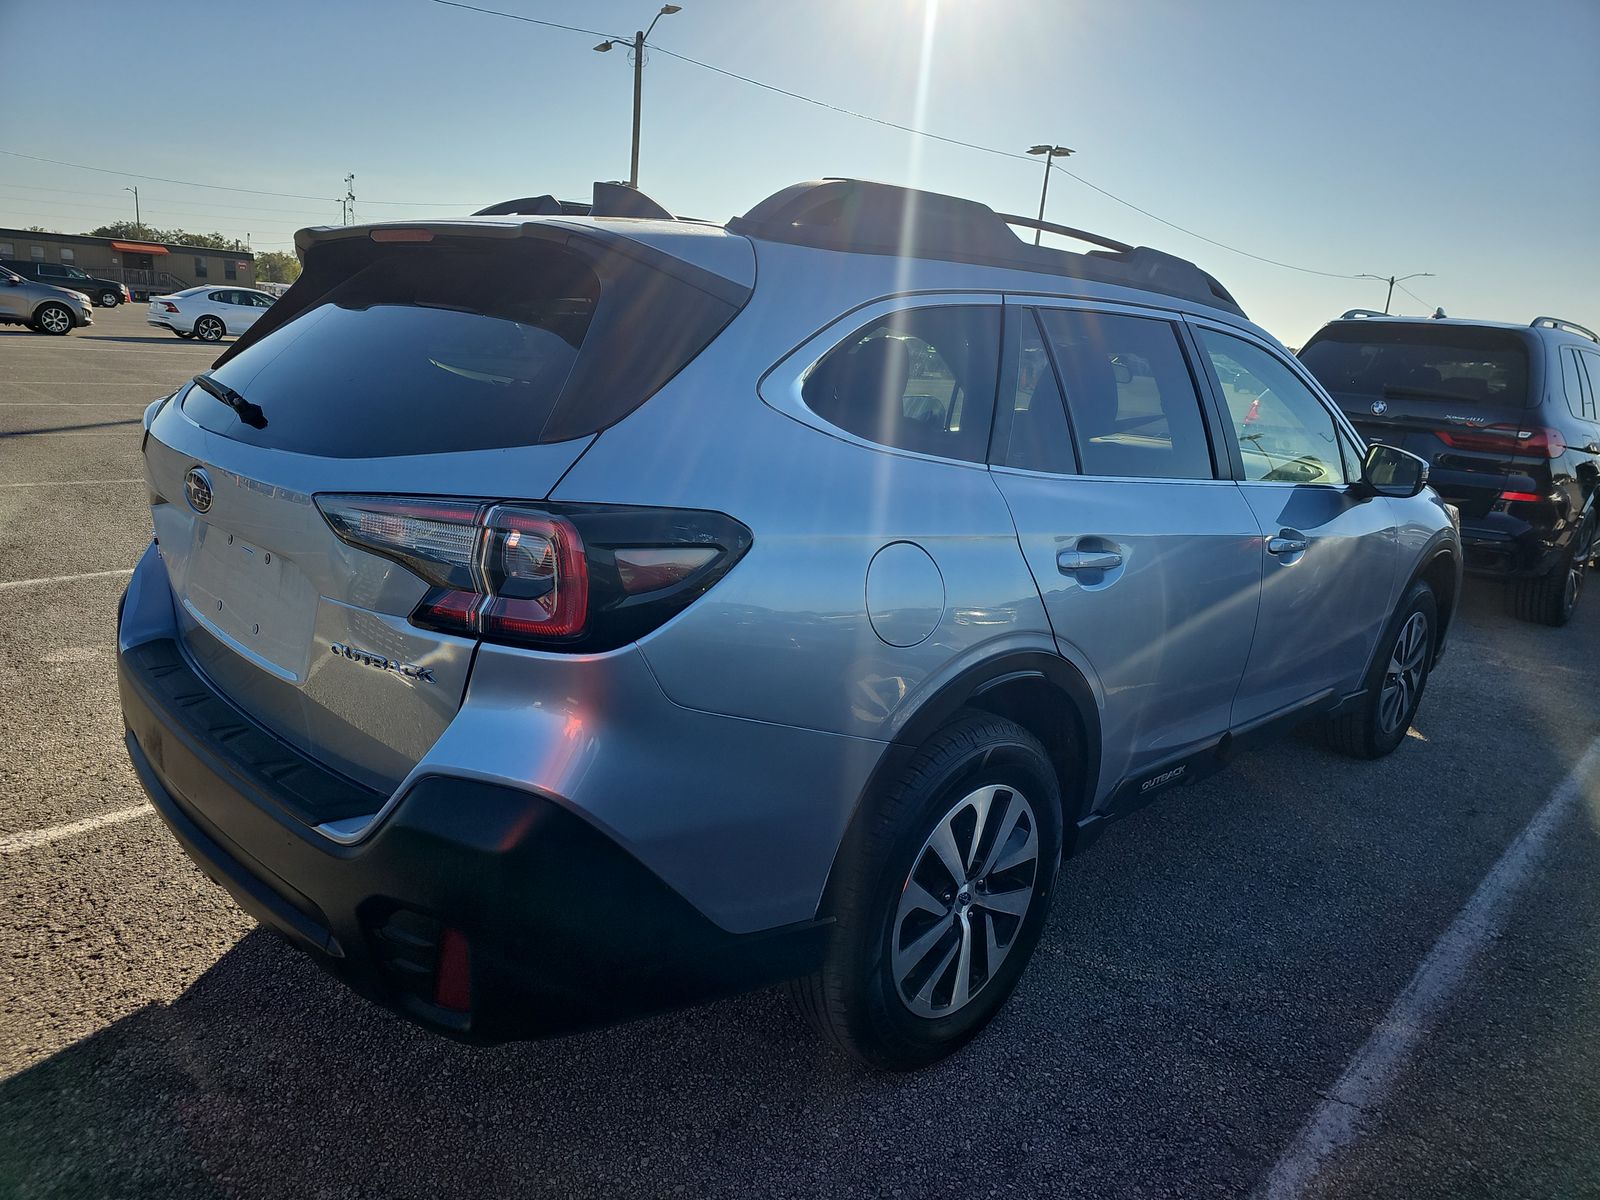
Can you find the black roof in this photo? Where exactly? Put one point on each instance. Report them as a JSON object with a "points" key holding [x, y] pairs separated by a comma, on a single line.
{"points": [[878, 218]]}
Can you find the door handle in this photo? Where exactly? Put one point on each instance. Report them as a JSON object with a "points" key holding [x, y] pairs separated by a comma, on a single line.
{"points": [[1290, 541], [1069, 561]]}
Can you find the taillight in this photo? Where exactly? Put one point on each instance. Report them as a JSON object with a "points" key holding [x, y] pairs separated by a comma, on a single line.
{"points": [[1539, 442], [1521, 497], [555, 576], [169, 306]]}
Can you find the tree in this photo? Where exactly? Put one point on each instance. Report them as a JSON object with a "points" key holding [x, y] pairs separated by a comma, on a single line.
{"points": [[40, 229], [274, 266], [175, 237]]}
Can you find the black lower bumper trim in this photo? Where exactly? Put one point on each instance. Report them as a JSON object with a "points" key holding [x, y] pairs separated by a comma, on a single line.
{"points": [[565, 928]]}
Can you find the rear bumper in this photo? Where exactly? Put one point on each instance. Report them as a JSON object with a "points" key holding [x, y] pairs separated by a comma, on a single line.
{"points": [[564, 928], [1504, 547]]}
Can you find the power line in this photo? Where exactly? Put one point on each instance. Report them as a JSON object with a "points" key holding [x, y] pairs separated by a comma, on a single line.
{"points": [[914, 131], [1413, 295]]}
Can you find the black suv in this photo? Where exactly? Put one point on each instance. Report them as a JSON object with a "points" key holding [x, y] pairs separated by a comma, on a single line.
{"points": [[107, 293], [1507, 416]]}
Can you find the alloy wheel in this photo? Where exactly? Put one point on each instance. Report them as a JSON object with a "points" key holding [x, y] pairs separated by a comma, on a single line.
{"points": [[208, 330], [55, 319], [964, 901], [1402, 682]]}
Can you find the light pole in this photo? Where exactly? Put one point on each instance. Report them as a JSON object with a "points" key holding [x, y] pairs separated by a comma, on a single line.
{"points": [[1391, 281], [138, 225], [638, 81], [1049, 153]]}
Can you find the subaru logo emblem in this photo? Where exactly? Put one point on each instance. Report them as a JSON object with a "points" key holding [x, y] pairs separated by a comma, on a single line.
{"points": [[197, 488], [1379, 407]]}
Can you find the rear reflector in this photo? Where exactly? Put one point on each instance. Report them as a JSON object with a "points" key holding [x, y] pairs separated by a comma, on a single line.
{"points": [[1521, 497], [402, 235], [452, 981]]}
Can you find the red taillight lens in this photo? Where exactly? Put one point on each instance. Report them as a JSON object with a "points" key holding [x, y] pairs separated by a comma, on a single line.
{"points": [[1520, 497], [169, 306], [1539, 442], [581, 577]]}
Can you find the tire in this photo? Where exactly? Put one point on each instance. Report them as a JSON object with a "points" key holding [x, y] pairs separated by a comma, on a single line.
{"points": [[889, 991], [209, 329], [54, 319], [1378, 724], [1552, 598], [109, 299]]}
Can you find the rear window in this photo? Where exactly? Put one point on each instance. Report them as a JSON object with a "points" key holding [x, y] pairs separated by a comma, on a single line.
{"points": [[1461, 365], [434, 349]]}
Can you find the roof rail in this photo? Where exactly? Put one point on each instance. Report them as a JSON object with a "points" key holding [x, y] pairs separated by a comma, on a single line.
{"points": [[1568, 326], [861, 217], [1094, 239], [610, 200], [1353, 314]]}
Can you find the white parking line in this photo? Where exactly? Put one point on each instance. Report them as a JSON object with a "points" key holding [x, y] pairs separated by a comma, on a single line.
{"points": [[71, 482], [1356, 1100], [22, 583], [15, 843]]}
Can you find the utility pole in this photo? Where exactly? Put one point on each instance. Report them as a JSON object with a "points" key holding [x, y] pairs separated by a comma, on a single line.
{"points": [[1391, 280], [347, 206], [1049, 152], [138, 225], [637, 56]]}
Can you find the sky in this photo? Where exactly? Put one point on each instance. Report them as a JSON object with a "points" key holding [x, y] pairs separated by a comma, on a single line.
{"points": [[1457, 137]]}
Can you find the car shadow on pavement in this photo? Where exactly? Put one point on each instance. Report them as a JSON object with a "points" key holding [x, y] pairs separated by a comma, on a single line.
{"points": [[163, 339]]}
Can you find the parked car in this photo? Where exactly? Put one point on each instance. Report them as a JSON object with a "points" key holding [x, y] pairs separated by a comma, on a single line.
{"points": [[556, 619], [107, 293], [208, 313], [40, 307], [1508, 417]]}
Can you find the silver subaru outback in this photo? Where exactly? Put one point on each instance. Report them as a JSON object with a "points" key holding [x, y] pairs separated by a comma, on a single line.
{"points": [[554, 617]]}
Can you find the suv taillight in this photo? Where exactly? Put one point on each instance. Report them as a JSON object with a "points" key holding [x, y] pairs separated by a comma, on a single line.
{"points": [[554, 576], [1507, 439]]}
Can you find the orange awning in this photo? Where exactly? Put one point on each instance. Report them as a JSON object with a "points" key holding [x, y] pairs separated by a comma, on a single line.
{"points": [[138, 248]]}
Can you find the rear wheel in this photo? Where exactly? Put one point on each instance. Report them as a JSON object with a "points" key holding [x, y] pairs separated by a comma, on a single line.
{"points": [[1378, 723], [940, 901], [209, 329], [53, 319], [1552, 598]]}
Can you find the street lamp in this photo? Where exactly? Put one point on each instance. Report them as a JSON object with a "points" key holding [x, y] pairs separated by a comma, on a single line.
{"points": [[638, 80], [1049, 153], [138, 225], [1392, 280]]}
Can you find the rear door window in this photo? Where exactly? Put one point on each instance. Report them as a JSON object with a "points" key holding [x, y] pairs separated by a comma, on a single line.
{"points": [[1131, 399], [922, 379], [1285, 433], [1579, 384], [1039, 439]]}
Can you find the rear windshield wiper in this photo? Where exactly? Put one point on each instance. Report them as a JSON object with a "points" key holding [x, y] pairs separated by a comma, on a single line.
{"points": [[250, 414], [1429, 394]]}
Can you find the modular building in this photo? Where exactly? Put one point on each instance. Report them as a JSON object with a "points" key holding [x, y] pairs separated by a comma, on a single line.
{"points": [[147, 268]]}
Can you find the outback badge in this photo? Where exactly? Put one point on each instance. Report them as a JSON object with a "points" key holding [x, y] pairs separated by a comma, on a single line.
{"points": [[368, 659]]}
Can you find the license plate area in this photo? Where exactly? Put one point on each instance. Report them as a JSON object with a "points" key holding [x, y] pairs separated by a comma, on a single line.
{"points": [[254, 600]]}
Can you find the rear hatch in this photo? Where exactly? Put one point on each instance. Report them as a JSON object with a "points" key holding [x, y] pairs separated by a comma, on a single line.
{"points": [[1457, 396], [446, 360]]}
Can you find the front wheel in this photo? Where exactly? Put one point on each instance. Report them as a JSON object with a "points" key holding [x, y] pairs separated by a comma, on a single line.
{"points": [[209, 329], [54, 319], [940, 898], [1378, 723]]}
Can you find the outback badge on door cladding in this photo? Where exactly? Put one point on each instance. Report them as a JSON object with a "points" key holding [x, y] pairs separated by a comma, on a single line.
{"points": [[197, 489]]}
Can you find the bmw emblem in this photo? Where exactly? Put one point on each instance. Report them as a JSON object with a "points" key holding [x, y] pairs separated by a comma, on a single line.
{"points": [[197, 488], [1379, 407]]}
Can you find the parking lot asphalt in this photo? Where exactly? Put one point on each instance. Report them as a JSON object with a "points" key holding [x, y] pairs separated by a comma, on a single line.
{"points": [[1212, 966]]}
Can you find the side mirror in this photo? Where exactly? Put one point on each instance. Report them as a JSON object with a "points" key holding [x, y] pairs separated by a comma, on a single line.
{"points": [[1390, 471]]}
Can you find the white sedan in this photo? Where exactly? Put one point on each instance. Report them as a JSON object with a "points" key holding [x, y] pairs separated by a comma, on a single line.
{"points": [[208, 313]]}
